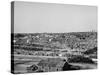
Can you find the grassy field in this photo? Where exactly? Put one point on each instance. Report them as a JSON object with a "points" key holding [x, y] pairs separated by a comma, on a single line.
{"points": [[21, 62]]}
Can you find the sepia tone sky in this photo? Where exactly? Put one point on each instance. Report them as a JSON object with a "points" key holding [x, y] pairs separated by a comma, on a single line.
{"points": [[32, 17]]}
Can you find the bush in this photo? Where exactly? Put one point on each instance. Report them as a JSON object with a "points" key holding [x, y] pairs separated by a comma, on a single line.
{"points": [[69, 67], [32, 68], [80, 59], [91, 51]]}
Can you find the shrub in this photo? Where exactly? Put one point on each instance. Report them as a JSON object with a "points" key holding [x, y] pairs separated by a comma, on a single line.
{"points": [[80, 59]]}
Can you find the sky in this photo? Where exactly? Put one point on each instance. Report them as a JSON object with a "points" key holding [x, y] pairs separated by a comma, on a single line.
{"points": [[32, 17]]}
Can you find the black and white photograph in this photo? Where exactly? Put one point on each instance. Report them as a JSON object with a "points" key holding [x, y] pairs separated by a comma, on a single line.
{"points": [[51, 37]]}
